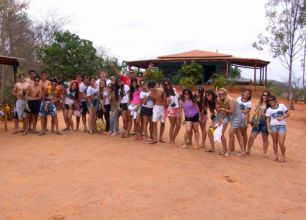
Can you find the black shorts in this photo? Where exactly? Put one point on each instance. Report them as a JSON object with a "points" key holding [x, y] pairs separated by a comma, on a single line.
{"points": [[124, 106], [67, 107], [83, 108], [34, 106], [193, 118], [145, 111]]}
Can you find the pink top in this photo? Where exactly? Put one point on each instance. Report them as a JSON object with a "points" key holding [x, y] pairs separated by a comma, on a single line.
{"points": [[136, 97]]}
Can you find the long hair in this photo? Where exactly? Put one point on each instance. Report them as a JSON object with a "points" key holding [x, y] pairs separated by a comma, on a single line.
{"points": [[261, 98], [200, 102], [132, 89], [170, 91], [100, 88], [76, 90], [118, 88], [210, 104], [248, 90], [189, 93], [223, 103]]}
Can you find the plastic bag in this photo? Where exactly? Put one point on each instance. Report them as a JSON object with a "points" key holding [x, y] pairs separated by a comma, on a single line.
{"points": [[100, 125], [218, 133]]}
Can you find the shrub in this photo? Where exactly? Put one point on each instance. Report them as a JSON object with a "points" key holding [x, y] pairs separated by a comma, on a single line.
{"points": [[155, 75], [191, 74], [218, 80]]}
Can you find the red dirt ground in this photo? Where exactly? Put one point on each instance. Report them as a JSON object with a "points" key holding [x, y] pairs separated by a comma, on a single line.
{"points": [[83, 176]]}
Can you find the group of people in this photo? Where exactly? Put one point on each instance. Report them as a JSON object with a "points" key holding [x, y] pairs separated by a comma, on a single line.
{"points": [[143, 104]]}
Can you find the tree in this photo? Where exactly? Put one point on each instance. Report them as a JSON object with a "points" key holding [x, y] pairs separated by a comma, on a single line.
{"points": [[191, 74], [68, 55], [154, 74], [235, 72], [286, 32]]}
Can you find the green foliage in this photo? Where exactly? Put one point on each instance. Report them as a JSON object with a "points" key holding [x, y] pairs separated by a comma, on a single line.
{"points": [[7, 91], [235, 73], [191, 74], [187, 81], [219, 80], [68, 55], [155, 75]]}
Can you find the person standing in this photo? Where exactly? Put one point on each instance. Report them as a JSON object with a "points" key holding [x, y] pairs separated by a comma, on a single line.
{"points": [[34, 102], [83, 100], [199, 98], [245, 105], [146, 110], [229, 106], [276, 115], [51, 95], [173, 110], [158, 96], [259, 123], [70, 99], [192, 115], [92, 103], [20, 93]]}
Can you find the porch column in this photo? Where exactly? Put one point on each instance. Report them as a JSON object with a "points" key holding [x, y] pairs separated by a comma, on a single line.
{"points": [[255, 66], [227, 70], [266, 75]]}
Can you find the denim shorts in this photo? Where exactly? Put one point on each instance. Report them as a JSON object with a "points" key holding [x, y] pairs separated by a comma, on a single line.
{"points": [[261, 126], [281, 129]]}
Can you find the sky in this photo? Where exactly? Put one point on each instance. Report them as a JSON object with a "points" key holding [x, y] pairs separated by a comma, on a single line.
{"points": [[144, 29]]}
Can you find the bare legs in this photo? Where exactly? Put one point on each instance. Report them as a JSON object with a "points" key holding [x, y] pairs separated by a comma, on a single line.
{"points": [[189, 127], [203, 130], [175, 125], [232, 133], [264, 141], [279, 139], [92, 119]]}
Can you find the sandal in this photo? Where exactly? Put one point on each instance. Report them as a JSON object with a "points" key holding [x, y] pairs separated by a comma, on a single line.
{"points": [[152, 142], [222, 153]]}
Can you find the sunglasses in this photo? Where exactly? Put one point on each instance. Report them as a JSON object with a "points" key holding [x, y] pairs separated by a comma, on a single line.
{"points": [[271, 100], [36, 80], [265, 95], [78, 76], [221, 94]]}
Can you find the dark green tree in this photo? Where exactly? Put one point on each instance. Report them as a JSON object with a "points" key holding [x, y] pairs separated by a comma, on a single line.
{"points": [[68, 55], [191, 74], [235, 73]]}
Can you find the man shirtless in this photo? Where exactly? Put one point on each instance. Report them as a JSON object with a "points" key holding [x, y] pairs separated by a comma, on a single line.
{"points": [[30, 81], [159, 99], [34, 102], [19, 91], [44, 83]]}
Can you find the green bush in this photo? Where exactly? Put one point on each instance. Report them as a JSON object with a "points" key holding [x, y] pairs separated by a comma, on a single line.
{"points": [[186, 82], [155, 75], [191, 73], [219, 80], [235, 73]]}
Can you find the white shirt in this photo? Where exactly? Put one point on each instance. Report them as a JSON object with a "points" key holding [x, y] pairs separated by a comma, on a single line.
{"points": [[125, 98], [69, 98], [92, 92], [244, 105], [278, 112], [143, 95], [106, 97], [83, 89]]}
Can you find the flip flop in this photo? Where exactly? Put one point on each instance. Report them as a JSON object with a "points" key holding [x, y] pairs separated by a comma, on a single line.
{"points": [[152, 142]]}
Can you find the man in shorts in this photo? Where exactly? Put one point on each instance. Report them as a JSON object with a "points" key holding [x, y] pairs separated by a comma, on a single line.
{"points": [[34, 102], [83, 104], [20, 91], [50, 96], [159, 99]]}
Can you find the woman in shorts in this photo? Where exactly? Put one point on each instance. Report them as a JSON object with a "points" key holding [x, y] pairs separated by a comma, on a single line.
{"points": [[192, 113], [276, 115], [70, 97], [92, 103], [259, 123], [146, 110], [245, 105], [122, 91], [229, 106], [173, 110], [199, 97], [134, 108]]}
